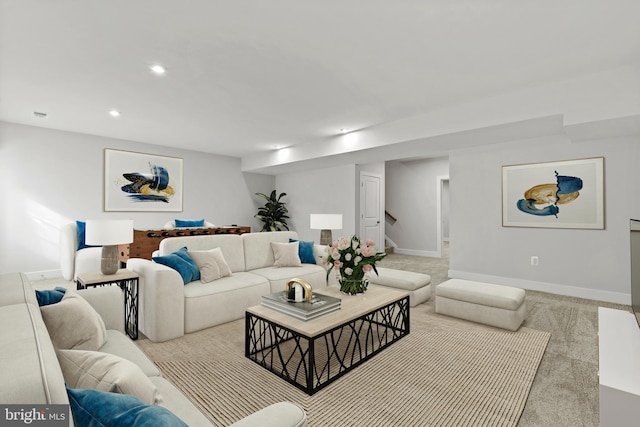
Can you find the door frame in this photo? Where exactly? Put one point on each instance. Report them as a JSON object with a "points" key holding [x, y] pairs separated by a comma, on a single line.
{"points": [[439, 190], [380, 243]]}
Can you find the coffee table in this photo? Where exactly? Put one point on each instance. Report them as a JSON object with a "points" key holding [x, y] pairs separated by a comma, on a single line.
{"points": [[312, 354]]}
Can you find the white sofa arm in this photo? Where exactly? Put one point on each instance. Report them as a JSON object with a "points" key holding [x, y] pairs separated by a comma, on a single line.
{"points": [[320, 254], [108, 301], [281, 414], [160, 300]]}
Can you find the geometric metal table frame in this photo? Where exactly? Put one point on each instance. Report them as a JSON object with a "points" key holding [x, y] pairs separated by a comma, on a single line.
{"points": [[129, 286], [313, 362]]}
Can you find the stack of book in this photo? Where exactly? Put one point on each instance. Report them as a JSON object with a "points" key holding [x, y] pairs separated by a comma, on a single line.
{"points": [[319, 305]]}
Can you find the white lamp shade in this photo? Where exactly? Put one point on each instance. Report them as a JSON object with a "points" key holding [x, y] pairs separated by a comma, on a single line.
{"points": [[108, 232], [325, 221]]}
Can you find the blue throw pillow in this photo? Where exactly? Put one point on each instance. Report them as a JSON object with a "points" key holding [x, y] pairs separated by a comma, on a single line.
{"points": [[189, 223], [182, 263], [305, 251], [94, 408], [81, 227], [50, 296]]}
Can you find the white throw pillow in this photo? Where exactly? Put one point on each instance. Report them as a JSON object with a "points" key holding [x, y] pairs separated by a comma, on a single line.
{"points": [[211, 263], [73, 324], [106, 372], [286, 254]]}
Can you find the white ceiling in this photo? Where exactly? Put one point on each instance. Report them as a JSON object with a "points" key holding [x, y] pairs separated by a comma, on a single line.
{"points": [[244, 76]]}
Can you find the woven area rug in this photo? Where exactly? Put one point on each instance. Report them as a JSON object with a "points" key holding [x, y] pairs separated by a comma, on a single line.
{"points": [[446, 372]]}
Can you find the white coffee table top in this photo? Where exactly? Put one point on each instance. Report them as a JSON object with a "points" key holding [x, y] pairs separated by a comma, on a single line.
{"points": [[351, 307]]}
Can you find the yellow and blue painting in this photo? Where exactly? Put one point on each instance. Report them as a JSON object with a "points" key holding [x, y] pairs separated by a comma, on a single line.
{"points": [[142, 182], [152, 187], [543, 199], [563, 194]]}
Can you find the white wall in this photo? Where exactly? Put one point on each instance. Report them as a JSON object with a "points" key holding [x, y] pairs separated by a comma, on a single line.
{"points": [[411, 197], [330, 190], [587, 263], [52, 177]]}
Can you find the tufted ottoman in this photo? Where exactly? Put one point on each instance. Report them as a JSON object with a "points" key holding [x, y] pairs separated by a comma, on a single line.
{"points": [[418, 285], [495, 305]]}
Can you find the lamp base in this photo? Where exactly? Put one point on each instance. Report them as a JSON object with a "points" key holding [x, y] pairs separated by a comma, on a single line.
{"points": [[325, 237], [110, 264]]}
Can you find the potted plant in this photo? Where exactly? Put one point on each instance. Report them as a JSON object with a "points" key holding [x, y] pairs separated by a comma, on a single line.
{"points": [[274, 213]]}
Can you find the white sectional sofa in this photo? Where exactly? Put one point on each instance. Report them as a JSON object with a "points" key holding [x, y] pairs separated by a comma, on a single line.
{"points": [[169, 308], [31, 373]]}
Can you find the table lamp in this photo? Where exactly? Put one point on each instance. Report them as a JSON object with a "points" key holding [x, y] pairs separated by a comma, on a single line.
{"points": [[109, 234], [325, 223]]}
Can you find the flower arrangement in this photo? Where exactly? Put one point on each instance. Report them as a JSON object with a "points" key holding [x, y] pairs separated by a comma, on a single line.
{"points": [[351, 258]]}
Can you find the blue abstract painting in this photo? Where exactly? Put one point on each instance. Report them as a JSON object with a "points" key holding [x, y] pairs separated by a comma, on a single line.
{"points": [[567, 194], [142, 182]]}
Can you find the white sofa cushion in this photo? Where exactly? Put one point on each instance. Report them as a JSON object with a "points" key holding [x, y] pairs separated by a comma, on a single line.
{"points": [[278, 277], [207, 304], [120, 345], [257, 247], [229, 244], [30, 371]]}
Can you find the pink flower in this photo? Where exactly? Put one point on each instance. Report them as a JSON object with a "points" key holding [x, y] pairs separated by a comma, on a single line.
{"points": [[337, 264], [370, 242], [367, 268], [367, 252]]}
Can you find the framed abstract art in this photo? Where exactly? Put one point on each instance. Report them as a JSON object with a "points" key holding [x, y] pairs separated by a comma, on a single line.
{"points": [[142, 182], [563, 194]]}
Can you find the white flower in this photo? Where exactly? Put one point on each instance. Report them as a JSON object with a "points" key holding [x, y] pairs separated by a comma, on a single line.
{"points": [[357, 260], [348, 271], [347, 257]]}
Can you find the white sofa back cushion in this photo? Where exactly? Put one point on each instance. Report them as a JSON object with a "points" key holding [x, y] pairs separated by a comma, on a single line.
{"points": [[257, 247], [230, 244]]}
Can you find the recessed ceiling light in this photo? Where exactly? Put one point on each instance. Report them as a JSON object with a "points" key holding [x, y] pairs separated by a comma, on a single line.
{"points": [[114, 113], [158, 69]]}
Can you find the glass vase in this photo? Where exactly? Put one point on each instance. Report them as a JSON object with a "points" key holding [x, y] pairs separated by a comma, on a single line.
{"points": [[353, 286]]}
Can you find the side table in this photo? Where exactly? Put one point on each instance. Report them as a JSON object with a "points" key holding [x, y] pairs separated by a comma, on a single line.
{"points": [[127, 280]]}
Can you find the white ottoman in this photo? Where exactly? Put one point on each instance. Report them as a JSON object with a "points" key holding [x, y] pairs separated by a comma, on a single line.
{"points": [[495, 305], [418, 285]]}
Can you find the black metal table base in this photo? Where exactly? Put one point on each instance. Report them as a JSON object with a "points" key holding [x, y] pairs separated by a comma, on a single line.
{"points": [[311, 363], [130, 289]]}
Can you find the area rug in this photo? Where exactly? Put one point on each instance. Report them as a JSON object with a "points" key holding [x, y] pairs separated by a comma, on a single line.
{"points": [[446, 372]]}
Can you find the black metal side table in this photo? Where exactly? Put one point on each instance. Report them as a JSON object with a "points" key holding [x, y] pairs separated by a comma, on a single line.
{"points": [[127, 280]]}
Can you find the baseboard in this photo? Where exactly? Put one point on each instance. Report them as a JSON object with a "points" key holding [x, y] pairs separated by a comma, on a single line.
{"points": [[553, 288], [34, 276], [432, 254]]}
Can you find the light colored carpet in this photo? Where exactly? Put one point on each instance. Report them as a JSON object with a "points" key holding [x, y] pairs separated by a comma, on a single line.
{"points": [[446, 372]]}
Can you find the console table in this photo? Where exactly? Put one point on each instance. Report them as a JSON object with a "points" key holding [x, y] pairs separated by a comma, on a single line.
{"points": [[127, 281], [147, 241]]}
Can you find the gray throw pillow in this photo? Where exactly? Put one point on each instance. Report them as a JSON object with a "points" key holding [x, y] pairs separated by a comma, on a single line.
{"points": [[74, 324], [211, 263], [106, 372], [286, 254]]}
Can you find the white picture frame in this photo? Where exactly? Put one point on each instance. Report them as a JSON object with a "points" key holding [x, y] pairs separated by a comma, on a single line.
{"points": [[141, 182], [562, 194]]}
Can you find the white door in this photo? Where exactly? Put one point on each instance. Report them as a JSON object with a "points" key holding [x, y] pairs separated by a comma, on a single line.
{"points": [[371, 209]]}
